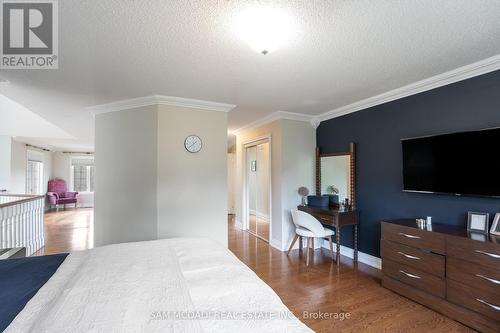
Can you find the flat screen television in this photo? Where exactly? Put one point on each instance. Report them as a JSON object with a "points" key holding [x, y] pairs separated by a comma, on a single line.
{"points": [[466, 163]]}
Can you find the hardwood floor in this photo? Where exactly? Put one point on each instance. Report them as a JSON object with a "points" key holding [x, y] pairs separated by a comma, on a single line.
{"points": [[323, 286], [327, 288], [259, 226], [68, 230]]}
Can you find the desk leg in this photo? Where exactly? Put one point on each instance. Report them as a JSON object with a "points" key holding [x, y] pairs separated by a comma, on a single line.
{"points": [[355, 243], [300, 244], [337, 234]]}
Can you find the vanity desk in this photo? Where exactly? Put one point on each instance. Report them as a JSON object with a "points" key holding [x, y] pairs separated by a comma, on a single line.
{"points": [[336, 218]]}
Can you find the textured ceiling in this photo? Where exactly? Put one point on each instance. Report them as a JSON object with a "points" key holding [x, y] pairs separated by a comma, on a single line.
{"points": [[343, 51]]}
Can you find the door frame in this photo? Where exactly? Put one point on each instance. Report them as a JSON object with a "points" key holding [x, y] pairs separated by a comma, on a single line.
{"points": [[247, 144]]}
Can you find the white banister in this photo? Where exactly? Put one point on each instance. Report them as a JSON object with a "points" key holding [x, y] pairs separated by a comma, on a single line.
{"points": [[21, 222]]}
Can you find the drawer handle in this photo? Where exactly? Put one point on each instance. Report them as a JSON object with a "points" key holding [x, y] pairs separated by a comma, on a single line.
{"points": [[494, 307], [408, 236], [496, 256], [408, 256], [410, 275], [488, 279]]}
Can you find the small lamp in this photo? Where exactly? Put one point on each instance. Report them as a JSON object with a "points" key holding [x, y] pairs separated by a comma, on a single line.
{"points": [[303, 192], [332, 189]]}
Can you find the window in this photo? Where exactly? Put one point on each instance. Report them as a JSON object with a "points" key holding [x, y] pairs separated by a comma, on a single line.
{"points": [[34, 177], [82, 174]]}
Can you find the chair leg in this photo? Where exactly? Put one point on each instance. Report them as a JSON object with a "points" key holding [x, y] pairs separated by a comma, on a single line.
{"points": [[331, 246], [293, 243], [307, 250], [312, 248]]}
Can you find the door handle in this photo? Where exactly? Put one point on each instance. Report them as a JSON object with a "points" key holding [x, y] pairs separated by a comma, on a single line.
{"points": [[496, 256], [408, 256], [409, 236], [410, 275], [494, 307], [488, 279]]}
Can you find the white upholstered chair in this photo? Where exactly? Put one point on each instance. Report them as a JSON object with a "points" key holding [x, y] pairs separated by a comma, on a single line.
{"points": [[307, 226]]}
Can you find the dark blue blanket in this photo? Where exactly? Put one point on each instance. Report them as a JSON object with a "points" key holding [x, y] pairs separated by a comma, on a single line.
{"points": [[20, 280]]}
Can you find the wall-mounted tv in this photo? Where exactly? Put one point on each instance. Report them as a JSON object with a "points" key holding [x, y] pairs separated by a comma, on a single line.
{"points": [[466, 163]]}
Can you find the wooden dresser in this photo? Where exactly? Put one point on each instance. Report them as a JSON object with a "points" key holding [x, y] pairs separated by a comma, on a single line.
{"points": [[444, 269]]}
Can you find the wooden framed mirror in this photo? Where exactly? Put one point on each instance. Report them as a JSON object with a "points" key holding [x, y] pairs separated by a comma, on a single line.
{"points": [[336, 175]]}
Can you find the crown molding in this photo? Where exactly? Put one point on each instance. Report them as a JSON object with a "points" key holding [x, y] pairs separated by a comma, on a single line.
{"points": [[273, 117], [132, 103], [459, 74]]}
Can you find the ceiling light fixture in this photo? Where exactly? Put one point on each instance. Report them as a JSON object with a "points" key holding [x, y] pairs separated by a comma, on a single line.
{"points": [[265, 29]]}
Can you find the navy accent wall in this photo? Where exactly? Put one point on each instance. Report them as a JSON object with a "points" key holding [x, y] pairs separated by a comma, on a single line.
{"points": [[472, 104]]}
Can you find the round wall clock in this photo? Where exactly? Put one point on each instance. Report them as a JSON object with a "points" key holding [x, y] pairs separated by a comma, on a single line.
{"points": [[193, 144]]}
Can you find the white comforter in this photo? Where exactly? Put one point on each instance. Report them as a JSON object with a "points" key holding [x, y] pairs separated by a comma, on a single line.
{"points": [[177, 285]]}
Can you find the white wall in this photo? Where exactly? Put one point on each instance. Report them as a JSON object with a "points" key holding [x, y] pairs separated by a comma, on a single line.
{"points": [[292, 165], [231, 183], [299, 143], [61, 166], [192, 188], [125, 184], [5, 157], [18, 168], [148, 186], [18, 160]]}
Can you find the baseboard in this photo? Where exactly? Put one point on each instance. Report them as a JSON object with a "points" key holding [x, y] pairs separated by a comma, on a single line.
{"points": [[259, 215], [277, 245], [89, 205], [70, 206], [365, 258]]}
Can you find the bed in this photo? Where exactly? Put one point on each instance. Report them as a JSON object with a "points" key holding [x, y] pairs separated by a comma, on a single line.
{"points": [[175, 285]]}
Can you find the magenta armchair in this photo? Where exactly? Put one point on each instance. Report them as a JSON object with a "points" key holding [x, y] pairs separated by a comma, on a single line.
{"points": [[58, 194]]}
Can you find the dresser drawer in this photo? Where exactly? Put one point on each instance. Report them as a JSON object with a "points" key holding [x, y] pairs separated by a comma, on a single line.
{"points": [[482, 253], [425, 261], [414, 237], [414, 277], [474, 275], [474, 299]]}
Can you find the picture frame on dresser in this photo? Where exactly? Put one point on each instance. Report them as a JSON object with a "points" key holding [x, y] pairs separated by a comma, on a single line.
{"points": [[477, 236], [478, 222], [495, 226]]}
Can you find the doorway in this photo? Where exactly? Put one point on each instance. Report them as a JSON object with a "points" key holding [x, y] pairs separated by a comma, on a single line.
{"points": [[258, 189]]}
